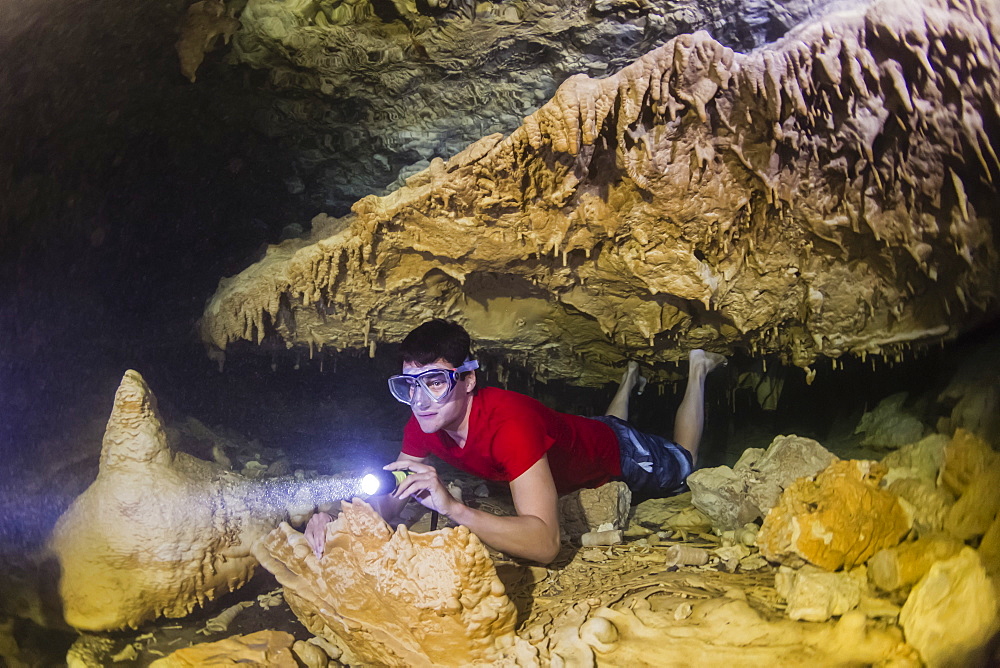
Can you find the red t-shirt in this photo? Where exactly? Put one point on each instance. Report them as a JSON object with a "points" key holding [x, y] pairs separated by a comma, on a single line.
{"points": [[509, 432]]}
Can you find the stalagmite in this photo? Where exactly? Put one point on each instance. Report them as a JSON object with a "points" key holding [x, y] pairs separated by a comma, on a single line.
{"points": [[160, 532]]}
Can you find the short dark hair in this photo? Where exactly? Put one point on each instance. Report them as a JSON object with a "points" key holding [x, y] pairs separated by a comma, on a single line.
{"points": [[436, 339]]}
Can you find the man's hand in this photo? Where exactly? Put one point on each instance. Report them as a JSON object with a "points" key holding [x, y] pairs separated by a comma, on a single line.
{"points": [[424, 485], [316, 532]]}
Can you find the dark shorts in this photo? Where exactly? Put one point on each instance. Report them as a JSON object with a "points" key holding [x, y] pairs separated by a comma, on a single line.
{"points": [[653, 467]]}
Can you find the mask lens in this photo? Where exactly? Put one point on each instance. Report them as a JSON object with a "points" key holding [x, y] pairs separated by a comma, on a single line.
{"points": [[402, 387], [437, 383]]}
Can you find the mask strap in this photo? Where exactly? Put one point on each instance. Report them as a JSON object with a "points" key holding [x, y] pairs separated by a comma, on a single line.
{"points": [[467, 365]]}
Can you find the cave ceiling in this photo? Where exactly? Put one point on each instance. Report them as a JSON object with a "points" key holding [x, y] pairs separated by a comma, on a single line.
{"points": [[368, 92], [831, 192]]}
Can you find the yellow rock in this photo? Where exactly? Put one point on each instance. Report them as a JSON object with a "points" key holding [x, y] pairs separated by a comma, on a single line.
{"points": [[836, 520], [952, 612], [395, 598]]}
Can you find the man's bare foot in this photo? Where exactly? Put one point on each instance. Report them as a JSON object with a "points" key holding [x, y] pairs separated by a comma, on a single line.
{"points": [[705, 361], [631, 378]]}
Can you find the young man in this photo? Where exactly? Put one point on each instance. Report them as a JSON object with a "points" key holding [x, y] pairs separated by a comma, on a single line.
{"points": [[506, 436]]}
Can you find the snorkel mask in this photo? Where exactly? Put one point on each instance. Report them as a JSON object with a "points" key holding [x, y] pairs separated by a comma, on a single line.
{"points": [[436, 383]]}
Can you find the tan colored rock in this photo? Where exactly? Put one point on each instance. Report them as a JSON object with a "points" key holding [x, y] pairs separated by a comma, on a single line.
{"points": [[904, 565], [773, 188], [976, 509], [746, 492], [952, 612], [787, 459], [816, 595], [965, 458], [928, 503], [587, 510], [160, 532], [395, 598], [263, 648], [721, 493], [310, 655], [837, 520]]}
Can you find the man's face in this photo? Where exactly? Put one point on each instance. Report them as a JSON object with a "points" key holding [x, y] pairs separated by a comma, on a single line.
{"points": [[449, 414]]}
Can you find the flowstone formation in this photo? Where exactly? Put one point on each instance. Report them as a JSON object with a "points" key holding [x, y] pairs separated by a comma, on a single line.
{"points": [[829, 194], [395, 598], [160, 532]]}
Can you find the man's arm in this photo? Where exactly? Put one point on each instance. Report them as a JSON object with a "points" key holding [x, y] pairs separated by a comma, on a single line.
{"points": [[533, 534]]}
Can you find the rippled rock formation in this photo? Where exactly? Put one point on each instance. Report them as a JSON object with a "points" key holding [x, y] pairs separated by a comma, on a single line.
{"points": [[829, 194], [395, 598]]}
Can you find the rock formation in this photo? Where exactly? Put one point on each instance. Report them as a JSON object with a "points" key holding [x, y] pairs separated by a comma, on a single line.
{"points": [[160, 532], [831, 193], [371, 91], [395, 598], [746, 492], [952, 612], [263, 648], [839, 519]]}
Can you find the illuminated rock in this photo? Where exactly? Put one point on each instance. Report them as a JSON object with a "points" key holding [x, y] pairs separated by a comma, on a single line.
{"points": [[836, 520], [263, 648], [159, 532], [921, 460], [395, 598], [976, 509], [952, 612], [828, 194]]}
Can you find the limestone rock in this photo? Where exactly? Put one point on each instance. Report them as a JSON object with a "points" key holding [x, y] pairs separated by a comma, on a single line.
{"points": [[976, 509], [686, 180], [952, 612], [721, 493], [838, 519], [973, 393], [889, 425], [922, 460], [589, 510], [263, 648], [816, 595], [733, 497], [928, 504], [904, 565], [159, 532], [395, 598], [787, 459], [965, 457]]}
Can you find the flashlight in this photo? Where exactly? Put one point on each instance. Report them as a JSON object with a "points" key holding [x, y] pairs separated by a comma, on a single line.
{"points": [[382, 482]]}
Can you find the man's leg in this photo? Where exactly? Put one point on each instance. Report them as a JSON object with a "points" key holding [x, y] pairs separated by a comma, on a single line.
{"points": [[619, 404], [690, 419]]}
